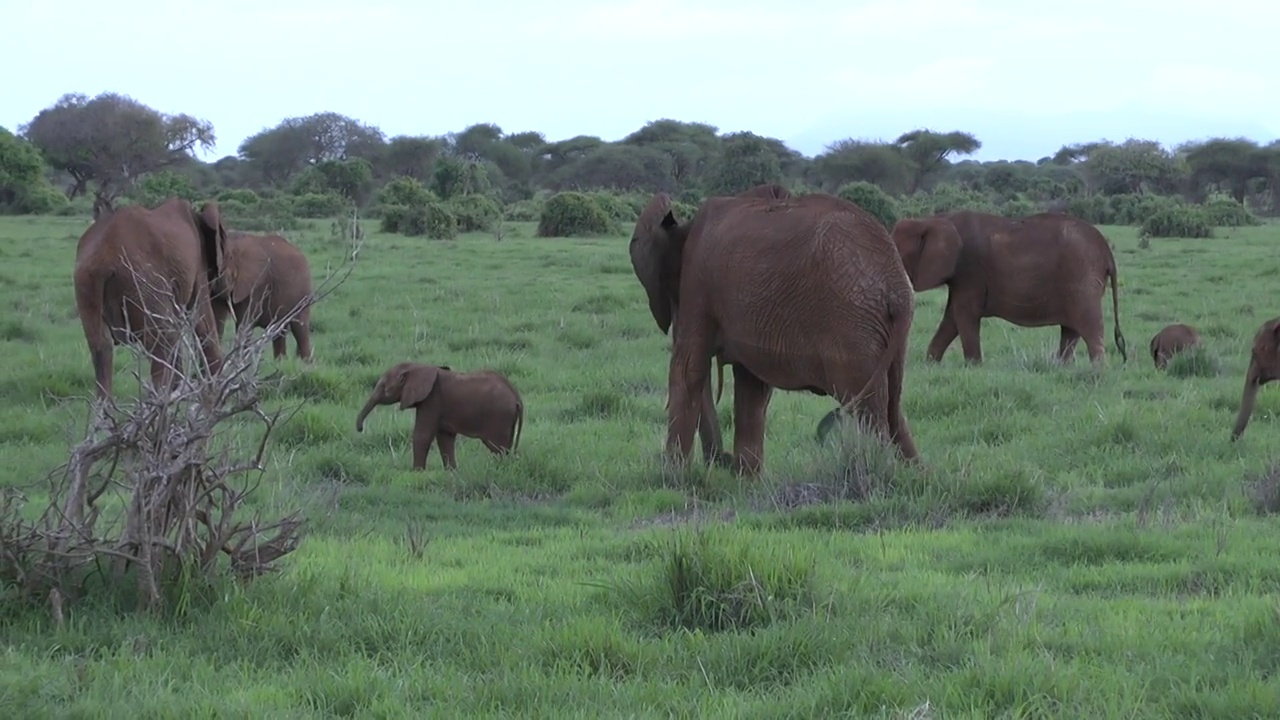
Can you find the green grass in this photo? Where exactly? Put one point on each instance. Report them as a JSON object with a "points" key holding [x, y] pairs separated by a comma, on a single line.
{"points": [[1078, 545]]}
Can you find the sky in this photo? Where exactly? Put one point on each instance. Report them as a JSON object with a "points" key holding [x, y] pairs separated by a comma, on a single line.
{"points": [[1024, 77]]}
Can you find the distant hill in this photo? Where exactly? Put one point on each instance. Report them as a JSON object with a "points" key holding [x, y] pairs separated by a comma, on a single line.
{"points": [[1027, 137]]}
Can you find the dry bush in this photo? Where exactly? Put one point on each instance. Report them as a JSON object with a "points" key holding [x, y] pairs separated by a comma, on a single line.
{"points": [[158, 487]]}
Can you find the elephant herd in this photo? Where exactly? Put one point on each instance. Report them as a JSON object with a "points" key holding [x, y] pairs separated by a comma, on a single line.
{"points": [[792, 292]]}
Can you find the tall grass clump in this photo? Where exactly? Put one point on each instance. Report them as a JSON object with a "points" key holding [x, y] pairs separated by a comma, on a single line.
{"points": [[1195, 361], [727, 580]]}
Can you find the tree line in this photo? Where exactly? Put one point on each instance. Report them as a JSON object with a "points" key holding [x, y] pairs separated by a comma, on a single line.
{"points": [[104, 150]]}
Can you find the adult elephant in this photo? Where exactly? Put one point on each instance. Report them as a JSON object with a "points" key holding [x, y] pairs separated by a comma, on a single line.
{"points": [[1033, 271], [799, 293], [662, 284], [267, 278], [136, 265]]}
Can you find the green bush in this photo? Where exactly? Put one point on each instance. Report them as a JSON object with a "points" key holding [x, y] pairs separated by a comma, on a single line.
{"points": [[434, 220], [871, 198], [617, 207], [37, 199], [474, 212], [265, 215], [570, 214], [319, 205], [1183, 221], [1019, 207], [406, 191], [525, 210], [948, 197], [1226, 212], [240, 195]]}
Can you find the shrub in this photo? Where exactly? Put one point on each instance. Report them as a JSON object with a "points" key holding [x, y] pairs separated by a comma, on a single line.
{"points": [[266, 215], [1019, 207], [239, 195], [1178, 221], [617, 207], [569, 214], [1093, 209], [525, 210], [37, 199], [1226, 212], [947, 197], [319, 205], [406, 191], [433, 220], [871, 198], [683, 211], [474, 212]]}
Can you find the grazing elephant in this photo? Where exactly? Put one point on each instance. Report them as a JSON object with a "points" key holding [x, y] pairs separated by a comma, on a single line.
{"points": [[481, 404], [1033, 271], [267, 277], [799, 293], [662, 285], [1264, 366], [1170, 341], [136, 264]]}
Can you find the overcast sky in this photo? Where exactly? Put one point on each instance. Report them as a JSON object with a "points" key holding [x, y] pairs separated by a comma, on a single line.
{"points": [[1025, 77]]}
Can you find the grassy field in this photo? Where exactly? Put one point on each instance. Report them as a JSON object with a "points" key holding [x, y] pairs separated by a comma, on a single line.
{"points": [[1079, 544]]}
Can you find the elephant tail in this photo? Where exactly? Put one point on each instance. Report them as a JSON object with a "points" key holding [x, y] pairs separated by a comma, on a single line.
{"points": [[899, 330], [1121, 345], [90, 289], [517, 425]]}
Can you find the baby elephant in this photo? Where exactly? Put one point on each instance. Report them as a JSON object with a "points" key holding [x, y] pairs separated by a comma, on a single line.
{"points": [[481, 404], [1170, 341]]}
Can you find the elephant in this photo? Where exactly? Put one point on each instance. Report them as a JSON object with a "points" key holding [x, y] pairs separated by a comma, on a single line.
{"points": [[798, 293], [267, 277], [1264, 366], [481, 404], [136, 264], [1171, 340], [1032, 271], [665, 304]]}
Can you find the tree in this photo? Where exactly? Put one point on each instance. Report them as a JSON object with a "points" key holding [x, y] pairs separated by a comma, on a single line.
{"points": [[23, 186], [850, 160], [691, 147], [1227, 163], [927, 151], [745, 161], [618, 167], [287, 149], [112, 140], [1133, 166], [410, 156]]}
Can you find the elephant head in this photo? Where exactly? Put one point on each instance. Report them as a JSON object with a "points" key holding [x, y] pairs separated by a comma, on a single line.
{"points": [[214, 237], [1264, 366], [930, 250], [656, 245], [407, 383]]}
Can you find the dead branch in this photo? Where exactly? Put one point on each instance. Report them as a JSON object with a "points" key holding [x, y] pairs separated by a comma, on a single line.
{"points": [[159, 485]]}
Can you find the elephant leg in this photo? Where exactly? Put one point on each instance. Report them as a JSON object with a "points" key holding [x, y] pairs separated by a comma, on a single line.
{"points": [[207, 333], [899, 428], [1067, 345], [709, 431], [970, 326], [689, 373], [945, 334], [750, 403], [447, 441], [424, 433], [279, 347], [301, 332]]}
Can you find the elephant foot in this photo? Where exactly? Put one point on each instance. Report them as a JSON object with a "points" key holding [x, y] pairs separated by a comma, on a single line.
{"points": [[719, 458]]}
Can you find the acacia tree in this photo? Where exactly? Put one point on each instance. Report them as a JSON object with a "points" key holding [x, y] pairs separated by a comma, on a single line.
{"points": [[112, 140], [851, 160], [1229, 163], [927, 151], [281, 152], [746, 160]]}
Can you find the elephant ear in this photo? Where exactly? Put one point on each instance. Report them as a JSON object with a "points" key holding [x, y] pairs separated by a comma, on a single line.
{"points": [[930, 250], [214, 237], [417, 385], [651, 246]]}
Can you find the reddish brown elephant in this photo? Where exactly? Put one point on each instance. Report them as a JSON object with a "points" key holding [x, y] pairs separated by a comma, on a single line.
{"points": [[662, 285], [1171, 340], [267, 277], [1033, 271], [1264, 366], [482, 404], [136, 264], [800, 293]]}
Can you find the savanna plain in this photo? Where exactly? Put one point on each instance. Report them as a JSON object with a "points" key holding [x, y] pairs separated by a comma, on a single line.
{"points": [[1079, 543]]}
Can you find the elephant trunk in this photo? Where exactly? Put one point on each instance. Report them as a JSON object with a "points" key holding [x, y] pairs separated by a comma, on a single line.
{"points": [[1251, 386], [374, 401]]}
